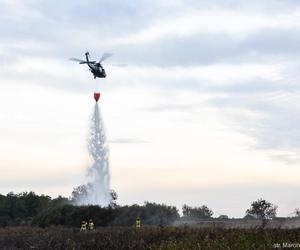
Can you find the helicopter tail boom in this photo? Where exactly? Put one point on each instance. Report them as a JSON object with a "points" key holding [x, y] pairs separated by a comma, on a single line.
{"points": [[87, 54]]}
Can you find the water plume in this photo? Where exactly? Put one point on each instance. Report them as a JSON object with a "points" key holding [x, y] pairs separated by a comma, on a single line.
{"points": [[97, 191]]}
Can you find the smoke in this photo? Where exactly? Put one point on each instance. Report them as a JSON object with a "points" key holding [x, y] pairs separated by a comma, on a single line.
{"points": [[97, 191]]}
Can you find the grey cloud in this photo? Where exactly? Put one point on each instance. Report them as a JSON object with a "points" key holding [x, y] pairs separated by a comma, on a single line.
{"points": [[270, 5], [248, 87], [279, 130], [200, 49], [105, 18], [277, 125], [276, 129], [274, 41], [206, 49], [59, 25]]}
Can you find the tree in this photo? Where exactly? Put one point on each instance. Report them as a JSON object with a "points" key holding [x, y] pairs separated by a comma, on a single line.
{"points": [[150, 214], [114, 197], [34, 203], [223, 217], [297, 212], [70, 215], [263, 210], [202, 212], [16, 207], [249, 217], [60, 201], [80, 193], [22, 207]]}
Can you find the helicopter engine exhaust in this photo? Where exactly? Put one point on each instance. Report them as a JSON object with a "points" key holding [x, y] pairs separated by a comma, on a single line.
{"points": [[96, 96]]}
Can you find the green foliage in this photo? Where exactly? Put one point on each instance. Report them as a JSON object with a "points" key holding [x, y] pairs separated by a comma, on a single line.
{"points": [[15, 208], [202, 212], [150, 214], [41, 210], [69, 215], [59, 201]]}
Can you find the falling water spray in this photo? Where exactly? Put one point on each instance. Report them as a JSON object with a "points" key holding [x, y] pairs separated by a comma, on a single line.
{"points": [[98, 172], [98, 188]]}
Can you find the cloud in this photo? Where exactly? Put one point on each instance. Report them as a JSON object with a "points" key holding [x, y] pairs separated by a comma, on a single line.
{"points": [[276, 129], [238, 25]]}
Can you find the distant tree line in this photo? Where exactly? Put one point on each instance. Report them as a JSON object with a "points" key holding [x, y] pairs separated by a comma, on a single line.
{"points": [[69, 215], [202, 212], [32, 209], [41, 210], [23, 207]]}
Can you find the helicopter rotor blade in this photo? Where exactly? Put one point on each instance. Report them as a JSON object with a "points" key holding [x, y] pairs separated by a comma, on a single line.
{"points": [[83, 62], [77, 60], [115, 64], [104, 57]]}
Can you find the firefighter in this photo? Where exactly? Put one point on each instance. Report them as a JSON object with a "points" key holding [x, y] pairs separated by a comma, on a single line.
{"points": [[83, 226], [138, 222], [91, 225]]}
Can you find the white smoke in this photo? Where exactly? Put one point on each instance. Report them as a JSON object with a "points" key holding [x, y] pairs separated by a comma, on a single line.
{"points": [[98, 188]]}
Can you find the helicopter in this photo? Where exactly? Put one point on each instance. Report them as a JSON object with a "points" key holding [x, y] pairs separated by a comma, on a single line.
{"points": [[95, 67]]}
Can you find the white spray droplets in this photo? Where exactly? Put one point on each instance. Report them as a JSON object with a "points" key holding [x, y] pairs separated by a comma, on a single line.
{"points": [[98, 192]]}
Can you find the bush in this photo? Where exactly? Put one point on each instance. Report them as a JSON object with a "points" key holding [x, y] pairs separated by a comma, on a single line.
{"points": [[69, 215], [202, 212]]}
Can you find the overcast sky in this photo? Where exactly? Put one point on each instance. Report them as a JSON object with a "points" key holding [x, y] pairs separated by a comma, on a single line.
{"points": [[206, 112]]}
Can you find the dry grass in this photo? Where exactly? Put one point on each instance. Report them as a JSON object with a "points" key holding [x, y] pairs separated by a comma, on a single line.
{"points": [[144, 238]]}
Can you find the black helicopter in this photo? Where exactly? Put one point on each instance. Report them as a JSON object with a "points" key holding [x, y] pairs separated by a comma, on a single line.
{"points": [[95, 67]]}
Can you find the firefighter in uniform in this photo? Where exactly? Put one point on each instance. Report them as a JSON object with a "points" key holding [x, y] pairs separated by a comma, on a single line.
{"points": [[83, 226], [138, 222], [91, 225]]}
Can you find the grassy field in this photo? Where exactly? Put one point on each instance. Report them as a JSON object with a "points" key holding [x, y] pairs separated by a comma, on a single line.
{"points": [[145, 238]]}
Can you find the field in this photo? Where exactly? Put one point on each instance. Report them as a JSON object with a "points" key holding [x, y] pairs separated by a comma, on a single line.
{"points": [[145, 238]]}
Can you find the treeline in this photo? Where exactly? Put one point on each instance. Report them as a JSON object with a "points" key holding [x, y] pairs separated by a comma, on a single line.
{"points": [[28, 208], [21, 208], [69, 215]]}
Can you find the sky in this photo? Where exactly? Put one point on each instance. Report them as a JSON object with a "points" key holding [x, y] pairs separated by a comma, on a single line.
{"points": [[205, 112]]}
